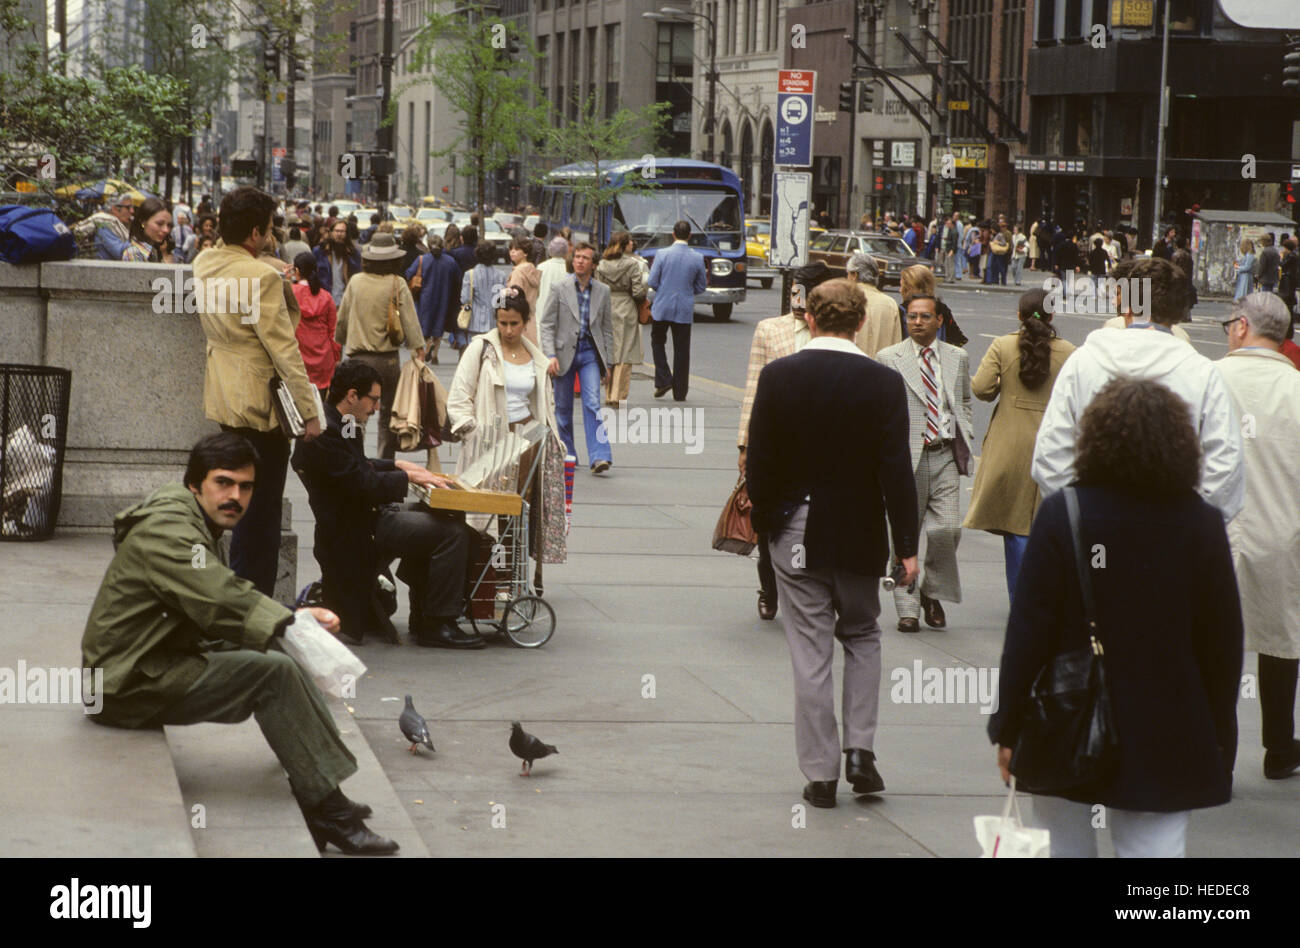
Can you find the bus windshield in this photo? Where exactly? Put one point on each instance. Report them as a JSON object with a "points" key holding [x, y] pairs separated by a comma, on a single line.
{"points": [[714, 216]]}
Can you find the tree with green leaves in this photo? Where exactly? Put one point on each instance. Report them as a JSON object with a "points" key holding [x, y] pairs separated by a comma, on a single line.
{"points": [[470, 54], [589, 137]]}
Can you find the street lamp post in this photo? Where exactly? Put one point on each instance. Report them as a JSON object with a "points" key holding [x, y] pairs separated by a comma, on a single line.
{"points": [[677, 15]]}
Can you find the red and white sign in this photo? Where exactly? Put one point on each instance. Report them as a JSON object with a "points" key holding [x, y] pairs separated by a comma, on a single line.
{"points": [[796, 80]]}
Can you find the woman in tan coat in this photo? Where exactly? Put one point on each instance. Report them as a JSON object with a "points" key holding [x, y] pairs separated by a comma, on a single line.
{"points": [[625, 275], [1021, 368], [528, 278], [493, 382]]}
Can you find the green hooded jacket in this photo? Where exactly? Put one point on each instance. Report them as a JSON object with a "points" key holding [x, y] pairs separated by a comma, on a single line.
{"points": [[167, 594]]}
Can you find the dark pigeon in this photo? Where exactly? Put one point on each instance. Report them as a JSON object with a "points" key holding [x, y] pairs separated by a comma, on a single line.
{"points": [[527, 748], [413, 727]]}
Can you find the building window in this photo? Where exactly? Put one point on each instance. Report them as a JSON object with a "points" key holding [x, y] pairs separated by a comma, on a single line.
{"points": [[613, 54], [751, 25], [675, 59], [428, 146], [575, 89], [1046, 32], [1012, 83], [543, 79], [771, 21], [728, 27], [591, 56]]}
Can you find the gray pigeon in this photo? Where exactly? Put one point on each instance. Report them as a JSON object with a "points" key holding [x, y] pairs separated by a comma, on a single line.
{"points": [[527, 748], [413, 727]]}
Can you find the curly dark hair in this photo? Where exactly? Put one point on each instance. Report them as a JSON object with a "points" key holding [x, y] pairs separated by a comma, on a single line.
{"points": [[1036, 335], [838, 306], [1137, 435]]}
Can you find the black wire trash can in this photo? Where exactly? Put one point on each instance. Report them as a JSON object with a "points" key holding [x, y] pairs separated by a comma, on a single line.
{"points": [[33, 442]]}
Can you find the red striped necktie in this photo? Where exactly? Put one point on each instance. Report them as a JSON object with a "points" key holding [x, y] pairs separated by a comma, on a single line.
{"points": [[931, 396]]}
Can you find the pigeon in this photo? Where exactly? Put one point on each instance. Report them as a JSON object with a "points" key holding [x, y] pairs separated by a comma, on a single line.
{"points": [[413, 727], [527, 748]]}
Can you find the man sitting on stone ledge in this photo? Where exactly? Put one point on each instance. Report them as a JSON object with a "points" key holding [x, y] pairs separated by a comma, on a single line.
{"points": [[156, 628], [361, 524]]}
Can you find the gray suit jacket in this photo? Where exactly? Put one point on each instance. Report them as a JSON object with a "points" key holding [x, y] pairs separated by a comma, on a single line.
{"points": [[954, 363], [557, 328]]}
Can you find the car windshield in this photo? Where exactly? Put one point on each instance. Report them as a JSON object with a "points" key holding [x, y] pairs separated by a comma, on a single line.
{"points": [[759, 229], [714, 216], [432, 214], [887, 245]]}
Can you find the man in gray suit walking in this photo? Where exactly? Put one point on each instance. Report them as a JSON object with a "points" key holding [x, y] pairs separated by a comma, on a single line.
{"points": [[576, 331], [827, 458], [938, 400]]}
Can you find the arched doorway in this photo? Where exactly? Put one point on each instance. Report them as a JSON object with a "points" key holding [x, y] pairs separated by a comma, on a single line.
{"points": [[724, 158], [766, 150], [747, 163]]}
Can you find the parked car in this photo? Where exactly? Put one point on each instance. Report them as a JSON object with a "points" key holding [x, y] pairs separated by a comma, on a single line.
{"points": [[531, 221], [834, 247], [508, 221], [757, 243]]}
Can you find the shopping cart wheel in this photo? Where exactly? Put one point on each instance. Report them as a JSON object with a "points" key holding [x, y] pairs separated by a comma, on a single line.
{"points": [[529, 622]]}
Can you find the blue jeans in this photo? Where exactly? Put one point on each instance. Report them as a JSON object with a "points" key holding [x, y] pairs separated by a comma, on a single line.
{"points": [[586, 364], [1013, 547]]}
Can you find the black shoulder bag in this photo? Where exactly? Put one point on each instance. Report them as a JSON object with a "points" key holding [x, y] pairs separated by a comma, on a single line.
{"points": [[1068, 739]]}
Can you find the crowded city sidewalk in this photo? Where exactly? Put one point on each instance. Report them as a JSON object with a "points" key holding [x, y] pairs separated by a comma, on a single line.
{"points": [[669, 699]]}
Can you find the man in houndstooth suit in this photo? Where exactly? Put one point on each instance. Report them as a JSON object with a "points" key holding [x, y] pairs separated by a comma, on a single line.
{"points": [[775, 338], [938, 403]]}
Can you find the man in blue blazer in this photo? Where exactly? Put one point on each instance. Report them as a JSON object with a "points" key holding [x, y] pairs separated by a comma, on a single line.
{"points": [[676, 277]]}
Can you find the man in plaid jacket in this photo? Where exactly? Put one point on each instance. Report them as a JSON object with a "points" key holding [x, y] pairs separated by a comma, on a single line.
{"points": [[774, 338]]}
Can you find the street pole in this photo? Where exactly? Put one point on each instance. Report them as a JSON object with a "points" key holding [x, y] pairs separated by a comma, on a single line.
{"points": [[713, 85], [1163, 106], [386, 128], [853, 118], [289, 108]]}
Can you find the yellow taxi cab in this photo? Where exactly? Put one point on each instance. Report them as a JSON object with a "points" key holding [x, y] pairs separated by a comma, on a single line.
{"points": [[758, 239]]}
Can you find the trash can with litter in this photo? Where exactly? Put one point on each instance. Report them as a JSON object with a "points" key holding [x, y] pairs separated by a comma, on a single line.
{"points": [[33, 439]]}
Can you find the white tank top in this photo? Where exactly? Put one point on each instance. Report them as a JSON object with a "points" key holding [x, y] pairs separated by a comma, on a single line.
{"points": [[520, 380]]}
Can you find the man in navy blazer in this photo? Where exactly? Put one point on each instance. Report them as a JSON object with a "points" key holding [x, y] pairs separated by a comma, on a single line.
{"points": [[676, 276], [828, 457]]}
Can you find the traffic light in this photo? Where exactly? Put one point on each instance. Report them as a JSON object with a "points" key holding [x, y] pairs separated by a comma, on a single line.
{"points": [[1290, 192], [297, 69], [1291, 72], [866, 96], [271, 62], [846, 96]]}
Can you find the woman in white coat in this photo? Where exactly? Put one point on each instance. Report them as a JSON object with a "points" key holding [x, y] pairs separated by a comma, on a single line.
{"points": [[503, 375]]}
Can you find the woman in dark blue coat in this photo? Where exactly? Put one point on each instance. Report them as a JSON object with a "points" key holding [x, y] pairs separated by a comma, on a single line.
{"points": [[1168, 618]]}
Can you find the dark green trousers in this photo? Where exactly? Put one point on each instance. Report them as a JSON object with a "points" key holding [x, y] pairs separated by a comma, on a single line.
{"points": [[289, 709]]}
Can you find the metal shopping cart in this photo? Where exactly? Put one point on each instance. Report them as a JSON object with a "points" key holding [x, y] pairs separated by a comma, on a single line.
{"points": [[501, 600]]}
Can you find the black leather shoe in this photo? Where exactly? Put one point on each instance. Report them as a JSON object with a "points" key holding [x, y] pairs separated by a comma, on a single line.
{"points": [[933, 612], [820, 793], [860, 771], [332, 821], [447, 635], [360, 811], [909, 625], [766, 606], [661, 392], [1281, 764]]}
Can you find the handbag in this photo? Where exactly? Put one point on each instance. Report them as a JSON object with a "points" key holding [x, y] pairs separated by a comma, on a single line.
{"points": [[393, 321], [1068, 740], [1007, 837], [467, 311], [417, 281], [643, 312], [734, 532]]}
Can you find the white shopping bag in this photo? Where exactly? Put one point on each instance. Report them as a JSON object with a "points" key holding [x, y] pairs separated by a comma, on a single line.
{"points": [[1006, 837], [325, 659]]}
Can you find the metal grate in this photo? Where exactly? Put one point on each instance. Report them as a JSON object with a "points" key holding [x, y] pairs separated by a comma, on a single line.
{"points": [[33, 438]]}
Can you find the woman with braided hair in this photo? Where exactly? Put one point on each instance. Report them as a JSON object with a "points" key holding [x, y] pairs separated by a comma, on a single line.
{"points": [[1018, 371]]}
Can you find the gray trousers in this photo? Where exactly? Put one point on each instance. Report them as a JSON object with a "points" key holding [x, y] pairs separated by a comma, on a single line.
{"points": [[938, 515], [289, 709], [817, 607], [1136, 834]]}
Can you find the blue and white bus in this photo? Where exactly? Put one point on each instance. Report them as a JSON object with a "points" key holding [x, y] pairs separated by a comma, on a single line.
{"points": [[706, 196]]}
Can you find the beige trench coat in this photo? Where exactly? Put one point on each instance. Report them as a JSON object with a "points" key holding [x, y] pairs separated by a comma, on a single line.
{"points": [[626, 279], [1265, 536], [478, 396], [1004, 497]]}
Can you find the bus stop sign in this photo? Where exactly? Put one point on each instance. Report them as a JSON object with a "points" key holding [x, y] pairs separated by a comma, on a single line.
{"points": [[794, 121]]}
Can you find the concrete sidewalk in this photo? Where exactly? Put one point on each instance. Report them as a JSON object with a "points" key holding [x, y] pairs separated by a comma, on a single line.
{"points": [[670, 702]]}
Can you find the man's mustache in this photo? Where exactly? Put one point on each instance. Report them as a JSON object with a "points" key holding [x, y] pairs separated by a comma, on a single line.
{"points": [[233, 507]]}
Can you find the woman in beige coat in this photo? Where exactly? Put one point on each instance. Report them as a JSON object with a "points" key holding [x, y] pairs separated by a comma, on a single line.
{"points": [[1021, 368], [623, 272], [491, 384]]}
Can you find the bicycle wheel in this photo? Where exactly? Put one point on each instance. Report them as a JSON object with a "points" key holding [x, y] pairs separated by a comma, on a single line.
{"points": [[529, 622]]}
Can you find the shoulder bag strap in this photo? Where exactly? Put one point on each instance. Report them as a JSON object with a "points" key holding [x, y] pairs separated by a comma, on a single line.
{"points": [[1081, 564]]}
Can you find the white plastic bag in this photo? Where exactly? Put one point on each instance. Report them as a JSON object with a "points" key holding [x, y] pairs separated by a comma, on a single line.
{"points": [[1006, 837], [325, 659]]}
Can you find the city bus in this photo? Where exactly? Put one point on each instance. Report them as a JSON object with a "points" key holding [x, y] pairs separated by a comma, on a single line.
{"points": [[707, 196]]}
